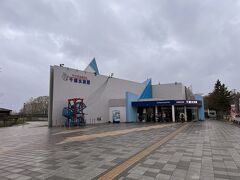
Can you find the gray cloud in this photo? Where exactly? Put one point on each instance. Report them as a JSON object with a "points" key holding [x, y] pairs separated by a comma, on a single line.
{"points": [[195, 42]]}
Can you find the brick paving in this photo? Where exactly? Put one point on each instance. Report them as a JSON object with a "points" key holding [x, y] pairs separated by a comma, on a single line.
{"points": [[206, 150], [32, 151]]}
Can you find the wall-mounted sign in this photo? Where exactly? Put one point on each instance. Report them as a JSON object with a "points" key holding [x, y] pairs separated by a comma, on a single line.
{"points": [[167, 103], [163, 102], [191, 102], [76, 78], [180, 102]]}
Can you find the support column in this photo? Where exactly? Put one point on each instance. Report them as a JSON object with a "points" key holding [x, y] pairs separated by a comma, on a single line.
{"points": [[173, 113], [156, 113], [185, 113], [145, 114]]}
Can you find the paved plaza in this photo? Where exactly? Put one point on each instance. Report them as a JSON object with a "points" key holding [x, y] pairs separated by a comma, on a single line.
{"points": [[201, 150]]}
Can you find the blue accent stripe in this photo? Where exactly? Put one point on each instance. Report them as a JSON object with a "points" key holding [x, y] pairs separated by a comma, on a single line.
{"points": [[131, 111], [147, 92]]}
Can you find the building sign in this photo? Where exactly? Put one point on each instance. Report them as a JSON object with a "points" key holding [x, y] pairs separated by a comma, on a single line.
{"points": [[167, 103], [191, 102], [180, 102], [76, 79], [163, 102]]}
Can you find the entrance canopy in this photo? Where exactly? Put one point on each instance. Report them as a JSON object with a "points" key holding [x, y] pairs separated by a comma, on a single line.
{"points": [[151, 102]]}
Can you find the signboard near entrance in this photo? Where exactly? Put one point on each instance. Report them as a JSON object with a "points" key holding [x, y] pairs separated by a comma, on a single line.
{"points": [[116, 116], [167, 103]]}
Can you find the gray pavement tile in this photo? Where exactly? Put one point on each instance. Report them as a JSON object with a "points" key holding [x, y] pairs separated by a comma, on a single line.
{"points": [[207, 150], [154, 170], [4, 178], [236, 174], [13, 176], [234, 177], [180, 173], [150, 174], [147, 178], [57, 178], [134, 176], [221, 176], [233, 170], [169, 167], [158, 165], [221, 172], [208, 177], [5, 173], [163, 176], [118, 160], [192, 175], [182, 168], [22, 177], [166, 172], [128, 178], [177, 178], [105, 167], [219, 169]]}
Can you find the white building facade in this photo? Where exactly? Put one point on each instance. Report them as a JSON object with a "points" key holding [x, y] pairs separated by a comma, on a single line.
{"points": [[107, 97]]}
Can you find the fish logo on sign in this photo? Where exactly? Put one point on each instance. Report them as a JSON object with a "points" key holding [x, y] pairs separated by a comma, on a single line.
{"points": [[76, 79]]}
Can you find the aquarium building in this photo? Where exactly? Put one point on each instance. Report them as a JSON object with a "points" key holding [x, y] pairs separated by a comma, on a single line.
{"points": [[110, 99]]}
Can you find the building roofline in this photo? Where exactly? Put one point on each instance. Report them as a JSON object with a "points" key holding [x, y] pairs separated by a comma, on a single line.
{"points": [[78, 70], [4, 109]]}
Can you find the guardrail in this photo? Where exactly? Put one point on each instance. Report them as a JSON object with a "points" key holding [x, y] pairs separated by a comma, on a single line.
{"points": [[6, 121]]}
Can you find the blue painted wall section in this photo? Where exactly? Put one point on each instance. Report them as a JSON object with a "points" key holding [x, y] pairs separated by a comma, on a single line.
{"points": [[147, 92], [93, 65], [201, 114], [131, 112]]}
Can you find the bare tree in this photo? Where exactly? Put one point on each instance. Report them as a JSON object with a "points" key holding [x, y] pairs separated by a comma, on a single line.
{"points": [[37, 105]]}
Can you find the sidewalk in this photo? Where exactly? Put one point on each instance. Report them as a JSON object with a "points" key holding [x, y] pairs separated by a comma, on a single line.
{"points": [[207, 150]]}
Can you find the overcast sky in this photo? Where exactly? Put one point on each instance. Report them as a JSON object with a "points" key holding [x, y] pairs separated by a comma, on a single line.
{"points": [[189, 41]]}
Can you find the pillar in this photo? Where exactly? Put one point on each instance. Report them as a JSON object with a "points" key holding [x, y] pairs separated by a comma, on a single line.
{"points": [[156, 113], [145, 114], [173, 113], [185, 113]]}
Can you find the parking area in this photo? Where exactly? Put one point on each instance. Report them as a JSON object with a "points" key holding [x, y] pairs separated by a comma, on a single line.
{"points": [[201, 150]]}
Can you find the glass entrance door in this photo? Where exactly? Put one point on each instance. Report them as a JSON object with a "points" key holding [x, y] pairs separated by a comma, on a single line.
{"points": [[192, 113], [146, 114], [178, 111], [164, 114]]}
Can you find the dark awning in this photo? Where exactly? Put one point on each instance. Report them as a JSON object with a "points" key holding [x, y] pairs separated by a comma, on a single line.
{"points": [[147, 103]]}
